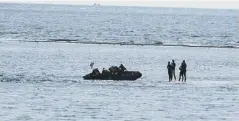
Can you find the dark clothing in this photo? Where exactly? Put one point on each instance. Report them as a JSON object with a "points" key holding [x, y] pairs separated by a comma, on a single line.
{"points": [[122, 68], [114, 69], [185, 76], [95, 72], [173, 70], [184, 67], [183, 70], [170, 69], [105, 73], [173, 66], [180, 73]]}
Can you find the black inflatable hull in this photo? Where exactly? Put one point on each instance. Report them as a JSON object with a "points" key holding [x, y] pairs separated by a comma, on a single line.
{"points": [[127, 75]]}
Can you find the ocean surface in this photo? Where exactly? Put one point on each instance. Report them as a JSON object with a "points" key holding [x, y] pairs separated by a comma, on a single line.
{"points": [[22, 22], [43, 60]]}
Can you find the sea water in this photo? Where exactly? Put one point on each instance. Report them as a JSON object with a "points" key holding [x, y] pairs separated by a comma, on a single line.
{"points": [[42, 81]]}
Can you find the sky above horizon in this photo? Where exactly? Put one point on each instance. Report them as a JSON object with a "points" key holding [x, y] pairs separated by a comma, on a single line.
{"points": [[223, 4]]}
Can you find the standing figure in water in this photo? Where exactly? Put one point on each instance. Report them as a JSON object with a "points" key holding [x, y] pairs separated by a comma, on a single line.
{"points": [[183, 70], [173, 69], [170, 68], [180, 73]]}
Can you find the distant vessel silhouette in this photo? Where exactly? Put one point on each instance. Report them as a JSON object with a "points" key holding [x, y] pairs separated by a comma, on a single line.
{"points": [[96, 4]]}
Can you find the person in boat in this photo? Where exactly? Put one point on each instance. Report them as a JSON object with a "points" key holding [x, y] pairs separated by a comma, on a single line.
{"points": [[114, 70], [183, 70], [122, 68], [105, 73], [170, 75], [95, 72], [173, 69]]}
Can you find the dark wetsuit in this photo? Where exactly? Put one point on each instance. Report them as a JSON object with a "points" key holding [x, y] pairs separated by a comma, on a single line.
{"points": [[170, 68], [122, 69], [173, 70], [183, 70], [105, 73], [95, 72], [180, 73], [114, 70]]}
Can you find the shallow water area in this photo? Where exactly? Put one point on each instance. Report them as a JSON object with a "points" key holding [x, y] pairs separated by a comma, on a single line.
{"points": [[42, 63], [43, 81]]}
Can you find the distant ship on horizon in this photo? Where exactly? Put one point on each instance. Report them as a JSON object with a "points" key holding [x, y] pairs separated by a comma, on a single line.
{"points": [[96, 4]]}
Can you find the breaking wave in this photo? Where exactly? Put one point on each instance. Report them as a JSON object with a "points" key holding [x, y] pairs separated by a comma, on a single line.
{"points": [[156, 43]]}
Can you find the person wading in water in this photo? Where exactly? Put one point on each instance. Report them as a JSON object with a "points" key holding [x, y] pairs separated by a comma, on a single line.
{"points": [[183, 70], [170, 68], [173, 69]]}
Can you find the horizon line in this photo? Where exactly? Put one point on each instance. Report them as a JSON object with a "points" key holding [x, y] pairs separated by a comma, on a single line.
{"points": [[105, 5]]}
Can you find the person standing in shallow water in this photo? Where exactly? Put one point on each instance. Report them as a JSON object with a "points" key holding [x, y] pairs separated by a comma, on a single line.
{"points": [[183, 70], [173, 69], [170, 68], [180, 73]]}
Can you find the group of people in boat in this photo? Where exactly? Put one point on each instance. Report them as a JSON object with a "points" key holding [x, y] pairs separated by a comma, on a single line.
{"points": [[171, 71], [113, 70]]}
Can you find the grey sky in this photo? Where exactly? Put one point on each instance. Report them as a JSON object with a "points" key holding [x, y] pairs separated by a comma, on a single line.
{"points": [[228, 4]]}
